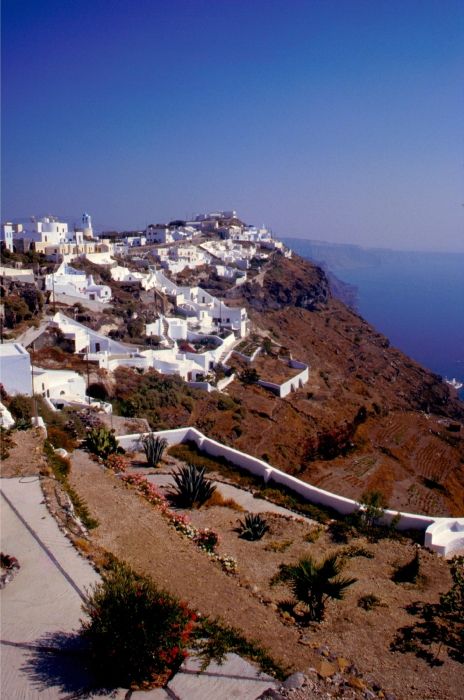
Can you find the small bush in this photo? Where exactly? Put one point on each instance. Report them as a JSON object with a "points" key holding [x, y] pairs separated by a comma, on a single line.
{"points": [[313, 534], [137, 633], [60, 438], [278, 545], [217, 499], [369, 602], [356, 551], [254, 527]]}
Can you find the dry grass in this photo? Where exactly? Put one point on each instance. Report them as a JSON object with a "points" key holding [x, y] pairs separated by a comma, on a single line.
{"points": [[217, 499]]}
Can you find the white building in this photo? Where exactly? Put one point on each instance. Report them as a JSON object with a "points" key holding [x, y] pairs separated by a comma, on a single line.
{"points": [[15, 369], [86, 339], [48, 230], [75, 283], [7, 233], [18, 376], [59, 384], [158, 233]]}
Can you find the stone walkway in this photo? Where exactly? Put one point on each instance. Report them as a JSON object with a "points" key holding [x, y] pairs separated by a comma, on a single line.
{"points": [[41, 609]]}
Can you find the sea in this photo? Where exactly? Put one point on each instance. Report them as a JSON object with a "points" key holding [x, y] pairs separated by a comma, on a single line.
{"points": [[416, 299]]}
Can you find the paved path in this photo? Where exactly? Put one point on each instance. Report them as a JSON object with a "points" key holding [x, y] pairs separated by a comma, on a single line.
{"points": [[41, 607]]}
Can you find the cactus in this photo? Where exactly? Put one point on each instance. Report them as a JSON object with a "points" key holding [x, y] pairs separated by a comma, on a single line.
{"points": [[253, 528], [192, 488], [102, 442], [153, 446]]}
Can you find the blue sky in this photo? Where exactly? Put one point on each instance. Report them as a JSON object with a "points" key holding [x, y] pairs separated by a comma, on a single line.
{"points": [[337, 120]]}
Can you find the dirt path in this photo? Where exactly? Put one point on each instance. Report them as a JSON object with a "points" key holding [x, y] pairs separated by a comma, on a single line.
{"points": [[134, 531]]}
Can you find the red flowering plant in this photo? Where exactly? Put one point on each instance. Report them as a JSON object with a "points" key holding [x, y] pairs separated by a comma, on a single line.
{"points": [[207, 539], [117, 463], [137, 634]]}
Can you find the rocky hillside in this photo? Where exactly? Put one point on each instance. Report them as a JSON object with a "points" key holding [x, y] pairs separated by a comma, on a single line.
{"points": [[370, 417]]}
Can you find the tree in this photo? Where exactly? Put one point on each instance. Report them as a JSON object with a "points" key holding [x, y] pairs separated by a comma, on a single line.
{"points": [[313, 583]]}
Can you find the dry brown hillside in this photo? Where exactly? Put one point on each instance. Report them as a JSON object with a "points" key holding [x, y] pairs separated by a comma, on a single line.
{"points": [[370, 417]]}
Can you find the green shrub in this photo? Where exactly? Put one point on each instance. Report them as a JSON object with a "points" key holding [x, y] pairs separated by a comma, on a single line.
{"points": [[253, 527], [153, 446], [22, 409], [372, 507], [137, 634], [192, 488], [249, 376], [102, 442]]}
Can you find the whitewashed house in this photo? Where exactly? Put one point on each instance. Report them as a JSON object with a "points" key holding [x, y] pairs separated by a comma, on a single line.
{"points": [[75, 283], [158, 233], [85, 339], [19, 377]]}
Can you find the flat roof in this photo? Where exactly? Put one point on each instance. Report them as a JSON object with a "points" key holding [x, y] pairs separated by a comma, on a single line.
{"points": [[12, 350]]}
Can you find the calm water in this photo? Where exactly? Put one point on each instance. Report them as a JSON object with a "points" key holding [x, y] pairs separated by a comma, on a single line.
{"points": [[417, 300]]}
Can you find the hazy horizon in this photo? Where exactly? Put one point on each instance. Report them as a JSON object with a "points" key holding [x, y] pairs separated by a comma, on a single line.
{"points": [[339, 122]]}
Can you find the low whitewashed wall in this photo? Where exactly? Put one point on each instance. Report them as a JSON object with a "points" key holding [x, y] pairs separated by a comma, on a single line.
{"points": [[249, 358], [203, 386], [206, 386], [222, 383], [268, 473], [292, 384]]}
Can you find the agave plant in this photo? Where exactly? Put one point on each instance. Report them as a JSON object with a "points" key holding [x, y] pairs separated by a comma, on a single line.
{"points": [[253, 527], [313, 583], [153, 446], [192, 488]]}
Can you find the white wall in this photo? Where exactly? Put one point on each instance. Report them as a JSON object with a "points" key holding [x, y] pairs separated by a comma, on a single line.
{"points": [[15, 369], [268, 473], [292, 384]]}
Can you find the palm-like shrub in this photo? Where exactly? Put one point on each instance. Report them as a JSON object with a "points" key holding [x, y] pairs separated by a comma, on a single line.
{"points": [[313, 583], [136, 633], [253, 527], [192, 488], [153, 446], [102, 442]]}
